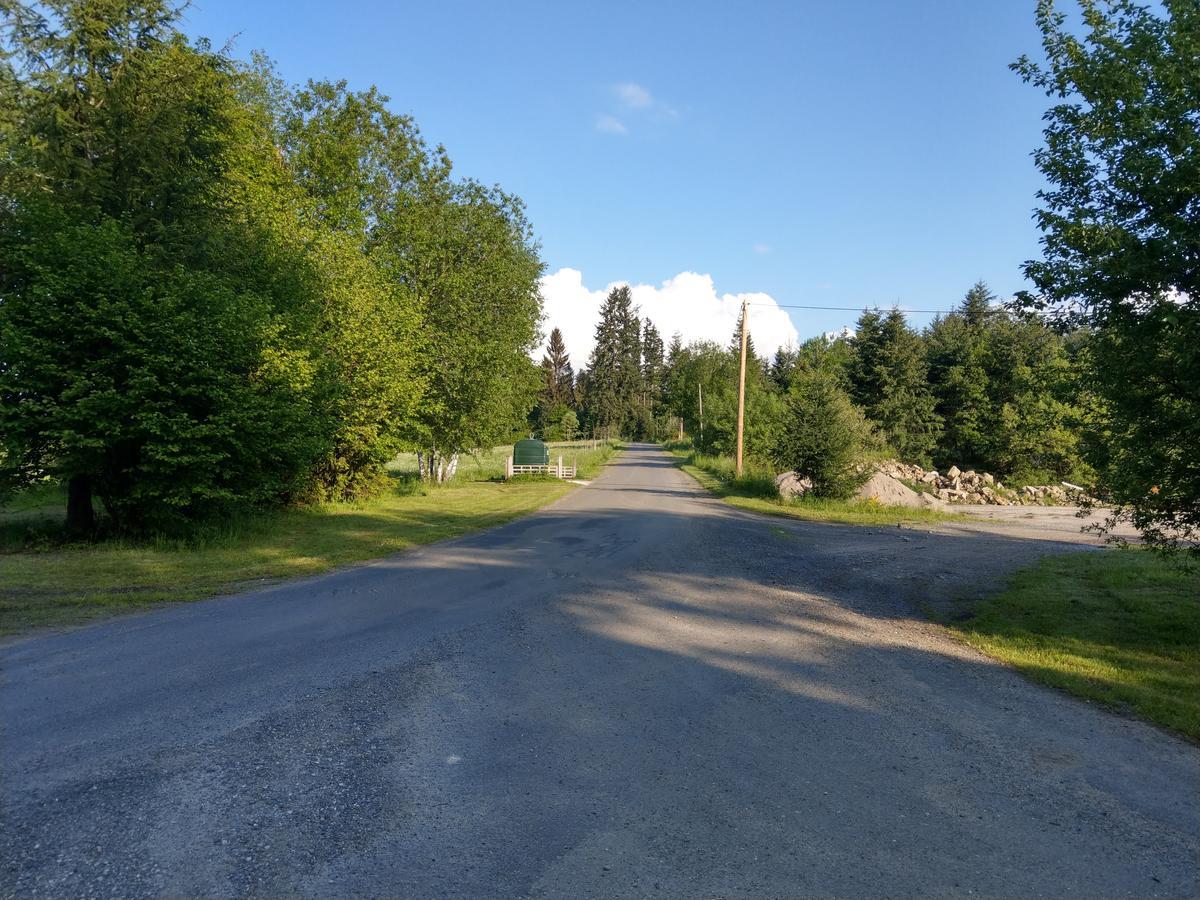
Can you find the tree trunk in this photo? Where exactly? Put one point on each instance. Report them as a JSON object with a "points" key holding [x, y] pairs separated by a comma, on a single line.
{"points": [[81, 519]]}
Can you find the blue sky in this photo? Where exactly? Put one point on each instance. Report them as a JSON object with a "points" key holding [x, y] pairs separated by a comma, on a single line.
{"points": [[826, 153]]}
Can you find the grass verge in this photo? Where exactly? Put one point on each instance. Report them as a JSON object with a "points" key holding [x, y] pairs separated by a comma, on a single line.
{"points": [[72, 583], [755, 491], [1119, 627]]}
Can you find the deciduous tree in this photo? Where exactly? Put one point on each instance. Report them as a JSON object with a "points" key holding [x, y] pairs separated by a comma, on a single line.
{"points": [[1120, 222]]}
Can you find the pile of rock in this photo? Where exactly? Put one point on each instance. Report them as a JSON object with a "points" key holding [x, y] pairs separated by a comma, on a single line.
{"points": [[957, 486], [900, 484]]}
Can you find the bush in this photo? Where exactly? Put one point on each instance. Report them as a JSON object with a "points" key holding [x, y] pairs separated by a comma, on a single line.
{"points": [[823, 436], [561, 425]]}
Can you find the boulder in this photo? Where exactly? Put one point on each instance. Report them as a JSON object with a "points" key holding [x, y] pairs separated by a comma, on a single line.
{"points": [[791, 485], [954, 472]]}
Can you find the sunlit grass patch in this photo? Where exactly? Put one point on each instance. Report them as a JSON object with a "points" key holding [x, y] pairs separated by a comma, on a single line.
{"points": [[62, 583], [1120, 627]]}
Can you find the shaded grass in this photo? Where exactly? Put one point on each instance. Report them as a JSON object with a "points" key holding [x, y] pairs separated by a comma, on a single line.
{"points": [[76, 582], [755, 491], [1119, 627]]}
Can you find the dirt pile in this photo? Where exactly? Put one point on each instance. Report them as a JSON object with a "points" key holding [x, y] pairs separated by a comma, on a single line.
{"points": [[889, 491]]}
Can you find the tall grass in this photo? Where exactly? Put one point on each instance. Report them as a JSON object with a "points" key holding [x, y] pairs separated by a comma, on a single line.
{"points": [[757, 479]]}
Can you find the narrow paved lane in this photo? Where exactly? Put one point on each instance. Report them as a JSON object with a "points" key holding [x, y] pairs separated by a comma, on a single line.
{"points": [[638, 691]]}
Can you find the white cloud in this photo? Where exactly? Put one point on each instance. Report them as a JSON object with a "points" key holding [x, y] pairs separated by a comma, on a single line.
{"points": [[633, 96], [762, 249], [610, 125], [687, 303]]}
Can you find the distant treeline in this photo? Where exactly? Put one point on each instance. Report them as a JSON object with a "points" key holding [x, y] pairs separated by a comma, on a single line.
{"points": [[981, 387], [221, 291], [1111, 392]]}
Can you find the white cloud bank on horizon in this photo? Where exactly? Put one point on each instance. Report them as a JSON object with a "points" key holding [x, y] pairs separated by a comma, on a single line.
{"points": [[688, 304]]}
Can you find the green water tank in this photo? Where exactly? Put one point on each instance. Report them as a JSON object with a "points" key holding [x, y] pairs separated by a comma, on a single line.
{"points": [[531, 452]]}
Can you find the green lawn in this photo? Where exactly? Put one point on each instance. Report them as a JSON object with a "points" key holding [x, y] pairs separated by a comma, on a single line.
{"points": [[1120, 627], [71, 583], [755, 491]]}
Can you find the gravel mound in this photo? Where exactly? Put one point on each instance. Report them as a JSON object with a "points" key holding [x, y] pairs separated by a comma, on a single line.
{"points": [[888, 491]]}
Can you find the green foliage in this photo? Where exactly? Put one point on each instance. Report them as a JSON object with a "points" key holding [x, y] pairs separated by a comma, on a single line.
{"points": [[614, 378], [653, 369], [757, 479], [351, 161], [1121, 239], [957, 356], [560, 424], [705, 369], [217, 292], [147, 352], [467, 253], [1007, 389], [168, 389], [888, 374], [557, 394], [823, 436], [558, 378]]}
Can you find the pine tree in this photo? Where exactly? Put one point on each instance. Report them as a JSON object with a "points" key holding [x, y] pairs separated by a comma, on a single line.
{"points": [[653, 368], [558, 385], [615, 368], [889, 380], [978, 306], [957, 354], [783, 364], [735, 344]]}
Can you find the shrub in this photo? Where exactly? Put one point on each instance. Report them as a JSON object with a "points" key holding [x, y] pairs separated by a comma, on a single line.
{"points": [[823, 436]]}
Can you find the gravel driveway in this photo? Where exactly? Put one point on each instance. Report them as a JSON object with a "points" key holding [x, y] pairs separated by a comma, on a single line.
{"points": [[639, 691]]}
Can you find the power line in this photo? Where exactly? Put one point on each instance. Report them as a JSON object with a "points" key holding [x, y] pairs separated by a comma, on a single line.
{"points": [[849, 308]]}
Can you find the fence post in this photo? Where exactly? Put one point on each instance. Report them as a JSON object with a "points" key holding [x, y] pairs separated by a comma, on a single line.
{"points": [[560, 467], [508, 468]]}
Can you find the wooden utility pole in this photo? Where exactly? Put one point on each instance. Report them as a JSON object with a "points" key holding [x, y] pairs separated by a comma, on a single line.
{"points": [[741, 393], [700, 391]]}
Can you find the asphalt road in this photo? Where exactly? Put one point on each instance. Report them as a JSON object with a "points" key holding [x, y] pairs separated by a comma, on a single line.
{"points": [[639, 691]]}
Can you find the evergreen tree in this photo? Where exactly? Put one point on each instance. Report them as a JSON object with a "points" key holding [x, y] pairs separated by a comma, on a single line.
{"points": [[783, 365], [957, 354], [889, 381], [735, 344], [557, 396], [558, 378], [978, 306], [614, 382], [653, 368], [1007, 390], [822, 435]]}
